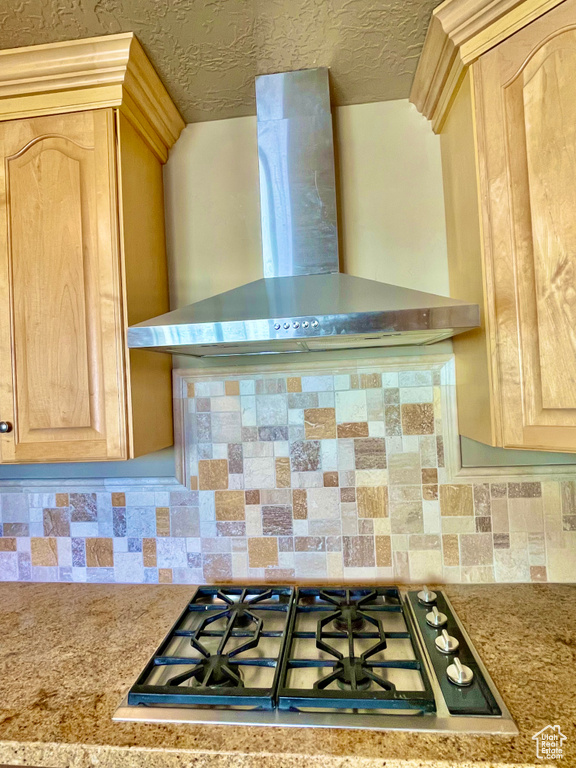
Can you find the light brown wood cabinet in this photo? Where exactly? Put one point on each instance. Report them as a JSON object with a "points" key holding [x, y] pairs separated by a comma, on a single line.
{"points": [[503, 99], [82, 253]]}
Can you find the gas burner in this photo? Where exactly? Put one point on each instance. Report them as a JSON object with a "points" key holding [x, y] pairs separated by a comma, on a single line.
{"points": [[212, 672], [349, 617]]}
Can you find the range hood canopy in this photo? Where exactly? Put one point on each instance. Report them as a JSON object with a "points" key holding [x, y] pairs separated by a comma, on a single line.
{"points": [[303, 303]]}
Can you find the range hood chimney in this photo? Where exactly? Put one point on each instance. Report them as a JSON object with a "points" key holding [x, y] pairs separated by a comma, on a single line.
{"points": [[303, 303]]}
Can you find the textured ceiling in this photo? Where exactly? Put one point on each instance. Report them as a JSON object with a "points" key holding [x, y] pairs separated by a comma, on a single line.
{"points": [[208, 52]]}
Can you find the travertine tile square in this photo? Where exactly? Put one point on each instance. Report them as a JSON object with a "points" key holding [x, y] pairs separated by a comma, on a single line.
{"points": [[372, 501], [323, 503], [351, 406], [383, 551], [417, 418], [456, 500], [229, 505], [213, 474], [299, 504], [370, 453], [358, 551], [262, 552], [526, 513], [56, 521], [404, 469], [407, 517], [305, 455], [44, 551], [277, 521], [260, 472], [320, 423], [232, 388], [99, 553], [226, 427], [476, 549], [353, 429]]}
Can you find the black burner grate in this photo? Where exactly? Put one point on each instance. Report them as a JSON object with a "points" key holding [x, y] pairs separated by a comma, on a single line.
{"points": [[352, 618], [204, 659]]}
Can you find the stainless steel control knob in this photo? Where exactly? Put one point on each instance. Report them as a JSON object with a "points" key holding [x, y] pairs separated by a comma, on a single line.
{"points": [[445, 643], [435, 618], [427, 596], [315, 323], [277, 326], [5, 427], [286, 326], [305, 324], [459, 673], [296, 324]]}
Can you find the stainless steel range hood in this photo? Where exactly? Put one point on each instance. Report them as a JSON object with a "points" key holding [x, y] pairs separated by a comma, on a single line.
{"points": [[303, 303]]}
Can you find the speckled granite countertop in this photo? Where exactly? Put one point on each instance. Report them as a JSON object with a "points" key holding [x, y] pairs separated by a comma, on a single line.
{"points": [[69, 652]]}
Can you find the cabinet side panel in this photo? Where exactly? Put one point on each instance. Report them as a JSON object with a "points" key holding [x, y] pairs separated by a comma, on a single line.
{"points": [[146, 287], [465, 257]]}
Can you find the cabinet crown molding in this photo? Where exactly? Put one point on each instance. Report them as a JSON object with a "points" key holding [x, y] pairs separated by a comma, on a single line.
{"points": [[460, 31], [94, 73]]}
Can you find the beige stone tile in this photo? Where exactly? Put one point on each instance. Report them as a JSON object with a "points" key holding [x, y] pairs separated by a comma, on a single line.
{"points": [[477, 574], [382, 526], [194, 482], [260, 472], [334, 565], [232, 388], [358, 551], [351, 406], [274, 496], [305, 455], [401, 566], [149, 553], [561, 556], [262, 552], [44, 551], [162, 521], [320, 423], [62, 500], [511, 565], [407, 517], [213, 474], [294, 384], [405, 493], [370, 453], [165, 575], [56, 521], [430, 492], [217, 568], [476, 549], [458, 524], [300, 504], [417, 418], [526, 514], [425, 565], [372, 501], [500, 519], [424, 541], [283, 472], [450, 549], [323, 503], [229, 505], [456, 500], [371, 477], [99, 553], [404, 469], [552, 508], [353, 429], [7, 545], [383, 551], [191, 389]]}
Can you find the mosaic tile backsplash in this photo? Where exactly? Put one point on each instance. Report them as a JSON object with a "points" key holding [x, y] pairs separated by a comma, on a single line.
{"points": [[338, 476]]}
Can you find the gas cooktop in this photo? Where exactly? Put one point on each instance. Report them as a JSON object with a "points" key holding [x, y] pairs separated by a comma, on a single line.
{"points": [[352, 657]]}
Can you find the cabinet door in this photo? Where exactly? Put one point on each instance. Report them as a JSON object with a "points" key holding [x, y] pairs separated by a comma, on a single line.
{"points": [[526, 115], [62, 385]]}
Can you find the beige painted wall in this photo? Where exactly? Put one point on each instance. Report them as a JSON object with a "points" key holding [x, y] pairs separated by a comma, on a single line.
{"points": [[391, 201]]}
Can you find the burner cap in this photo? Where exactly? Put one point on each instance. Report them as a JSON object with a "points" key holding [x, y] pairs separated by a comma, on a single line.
{"points": [[349, 670], [350, 617], [212, 672]]}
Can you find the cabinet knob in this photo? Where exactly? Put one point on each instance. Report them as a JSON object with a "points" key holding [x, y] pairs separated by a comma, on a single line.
{"points": [[5, 427]]}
